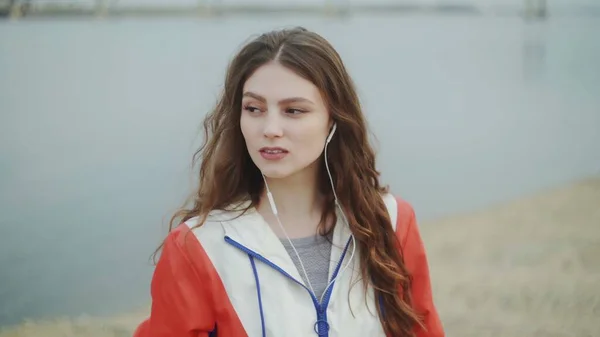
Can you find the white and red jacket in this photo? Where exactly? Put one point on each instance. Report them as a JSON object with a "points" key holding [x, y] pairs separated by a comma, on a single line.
{"points": [[232, 277]]}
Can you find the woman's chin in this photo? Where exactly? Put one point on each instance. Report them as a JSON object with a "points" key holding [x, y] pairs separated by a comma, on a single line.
{"points": [[273, 173]]}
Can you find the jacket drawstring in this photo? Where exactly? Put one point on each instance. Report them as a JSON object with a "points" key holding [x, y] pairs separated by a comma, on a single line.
{"points": [[260, 307]]}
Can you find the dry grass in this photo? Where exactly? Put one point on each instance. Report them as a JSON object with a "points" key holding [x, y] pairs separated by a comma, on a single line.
{"points": [[528, 268], [85, 326]]}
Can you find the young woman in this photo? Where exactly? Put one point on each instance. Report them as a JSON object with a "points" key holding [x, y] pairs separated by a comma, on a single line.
{"points": [[290, 232]]}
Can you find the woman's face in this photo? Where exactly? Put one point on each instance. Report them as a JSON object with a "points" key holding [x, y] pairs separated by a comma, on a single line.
{"points": [[284, 121]]}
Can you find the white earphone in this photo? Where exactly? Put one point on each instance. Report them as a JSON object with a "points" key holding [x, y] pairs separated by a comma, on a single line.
{"points": [[331, 133], [274, 210]]}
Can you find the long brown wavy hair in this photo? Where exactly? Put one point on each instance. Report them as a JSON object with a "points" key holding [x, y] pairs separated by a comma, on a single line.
{"points": [[228, 176]]}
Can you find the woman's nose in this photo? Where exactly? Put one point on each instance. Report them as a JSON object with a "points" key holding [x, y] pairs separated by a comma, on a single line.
{"points": [[272, 126]]}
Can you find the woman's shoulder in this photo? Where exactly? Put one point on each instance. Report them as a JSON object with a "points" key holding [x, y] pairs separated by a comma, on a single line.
{"points": [[403, 218], [189, 237], [401, 212], [181, 243]]}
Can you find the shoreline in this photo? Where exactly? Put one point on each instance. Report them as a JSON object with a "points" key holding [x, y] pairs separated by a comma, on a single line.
{"points": [[527, 267]]}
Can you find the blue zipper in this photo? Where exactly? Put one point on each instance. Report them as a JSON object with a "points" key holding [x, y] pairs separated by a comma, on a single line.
{"points": [[321, 326]]}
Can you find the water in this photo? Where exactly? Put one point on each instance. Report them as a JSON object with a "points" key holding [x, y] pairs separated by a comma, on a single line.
{"points": [[99, 120]]}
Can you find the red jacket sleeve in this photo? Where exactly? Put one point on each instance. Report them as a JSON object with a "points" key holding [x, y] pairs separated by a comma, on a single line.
{"points": [[415, 259], [181, 303]]}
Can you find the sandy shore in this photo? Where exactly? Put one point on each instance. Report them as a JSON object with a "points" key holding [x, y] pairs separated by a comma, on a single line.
{"points": [[527, 268]]}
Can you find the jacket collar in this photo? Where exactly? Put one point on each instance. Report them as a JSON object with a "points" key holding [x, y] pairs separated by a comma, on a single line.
{"points": [[251, 231]]}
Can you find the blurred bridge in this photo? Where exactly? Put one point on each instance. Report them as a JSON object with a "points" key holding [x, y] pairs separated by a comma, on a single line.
{"points": [[100, 8]]}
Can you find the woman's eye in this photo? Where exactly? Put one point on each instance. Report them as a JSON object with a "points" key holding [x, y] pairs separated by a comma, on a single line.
{"points": [[250, 108], [294, 111]]}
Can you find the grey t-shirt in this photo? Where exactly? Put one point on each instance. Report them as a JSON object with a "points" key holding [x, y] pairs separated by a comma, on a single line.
{"points": [[315, 252]]}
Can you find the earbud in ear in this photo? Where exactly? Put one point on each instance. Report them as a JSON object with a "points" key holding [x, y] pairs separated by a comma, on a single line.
{"points": [[331, 132]]}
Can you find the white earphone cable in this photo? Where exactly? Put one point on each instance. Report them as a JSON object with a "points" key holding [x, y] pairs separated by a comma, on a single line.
{"points": [[274, 210], [345, 220]]}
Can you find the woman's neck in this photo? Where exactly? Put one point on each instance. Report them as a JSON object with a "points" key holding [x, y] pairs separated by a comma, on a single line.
{"points": [[299, 205]]}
